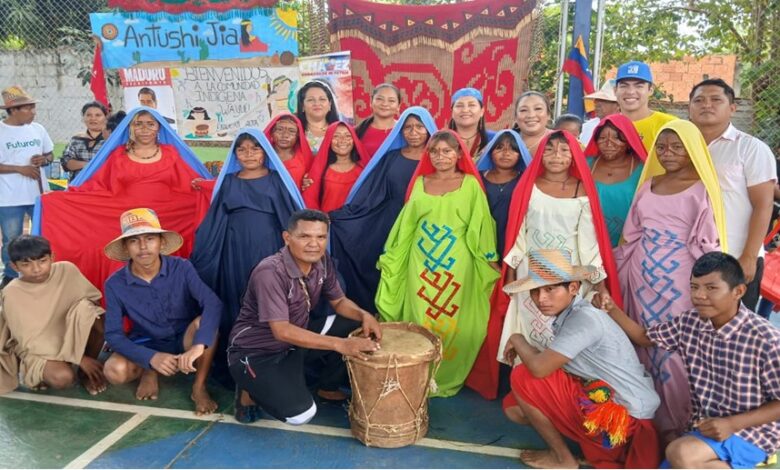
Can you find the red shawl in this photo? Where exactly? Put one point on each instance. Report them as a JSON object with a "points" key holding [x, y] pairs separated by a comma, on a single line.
{"points": [[425, 167], [79, 222], [302, 159], [311, 196], [484, 375], [626, 127]]}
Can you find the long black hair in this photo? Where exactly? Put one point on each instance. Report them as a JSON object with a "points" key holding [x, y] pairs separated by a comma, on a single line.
{"points": [[333, 114], [481, 130], [353, 155], [361, 129]]}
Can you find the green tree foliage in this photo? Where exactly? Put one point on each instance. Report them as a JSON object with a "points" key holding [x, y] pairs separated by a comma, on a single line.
{"points": [[750, 29]]}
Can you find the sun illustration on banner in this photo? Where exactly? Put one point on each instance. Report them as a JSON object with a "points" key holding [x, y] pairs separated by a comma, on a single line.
{"points": [[285, 23]]}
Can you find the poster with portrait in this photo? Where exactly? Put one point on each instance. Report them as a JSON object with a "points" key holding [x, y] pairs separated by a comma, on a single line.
{"points": [[149, 87], [334, 70], [213, 103]]}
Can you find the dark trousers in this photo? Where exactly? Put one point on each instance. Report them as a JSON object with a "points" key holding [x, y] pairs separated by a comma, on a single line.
{"points": [[326, 370], [750, 299], [279, 383]]}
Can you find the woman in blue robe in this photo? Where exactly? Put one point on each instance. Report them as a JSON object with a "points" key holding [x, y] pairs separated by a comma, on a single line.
{"points": [[360, 228], [501, 165], [244, 224]]}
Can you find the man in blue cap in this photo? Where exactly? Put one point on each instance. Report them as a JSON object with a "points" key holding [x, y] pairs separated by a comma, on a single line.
{"points": [[634, 86]]}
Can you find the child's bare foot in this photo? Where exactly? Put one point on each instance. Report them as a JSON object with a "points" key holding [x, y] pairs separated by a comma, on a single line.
{"points": [[40, 387], [545, 459], [204, 405], [148, 387], [91, 375]]}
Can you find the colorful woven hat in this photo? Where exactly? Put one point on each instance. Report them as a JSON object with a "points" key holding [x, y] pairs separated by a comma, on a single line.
{"points": [[15, 96], [138, 222], [549, 267]]}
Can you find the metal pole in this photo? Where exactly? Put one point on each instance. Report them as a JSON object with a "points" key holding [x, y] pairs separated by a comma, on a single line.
{"points": [[599, 43], [562, 34]]}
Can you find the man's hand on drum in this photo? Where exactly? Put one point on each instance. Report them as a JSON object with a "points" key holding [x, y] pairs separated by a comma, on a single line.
{"points": [[371, 328], [356, 346]]}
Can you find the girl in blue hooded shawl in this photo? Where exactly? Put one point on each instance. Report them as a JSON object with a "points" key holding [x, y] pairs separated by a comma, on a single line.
{"points": [[501, 165], [359, 229], [253, 198]]}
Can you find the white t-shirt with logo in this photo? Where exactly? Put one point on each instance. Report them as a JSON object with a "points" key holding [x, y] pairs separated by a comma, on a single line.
{"points": [[741, 161], [18, 144]]}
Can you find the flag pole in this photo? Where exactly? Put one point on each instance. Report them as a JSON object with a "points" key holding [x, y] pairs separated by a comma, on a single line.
{"points": [[561, 55], [599, 43]]}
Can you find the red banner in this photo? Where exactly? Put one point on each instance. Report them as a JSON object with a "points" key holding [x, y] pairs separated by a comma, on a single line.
{"points": [[98, 82], [188, 6], [429, 52]]}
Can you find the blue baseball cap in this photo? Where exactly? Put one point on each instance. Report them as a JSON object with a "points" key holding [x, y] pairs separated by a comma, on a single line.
{"points": [[634, 70]]}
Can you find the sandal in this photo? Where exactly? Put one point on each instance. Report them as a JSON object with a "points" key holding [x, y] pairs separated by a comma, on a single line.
{"points": [[245, 414]]}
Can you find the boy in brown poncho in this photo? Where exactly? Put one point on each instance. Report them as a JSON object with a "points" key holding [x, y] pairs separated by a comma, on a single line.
{"points": [[50, 321]]}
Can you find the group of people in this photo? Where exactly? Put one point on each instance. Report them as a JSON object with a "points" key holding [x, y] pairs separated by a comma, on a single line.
{"points": [[535, 254]]}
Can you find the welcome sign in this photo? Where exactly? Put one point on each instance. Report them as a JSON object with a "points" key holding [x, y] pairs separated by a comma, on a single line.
{"points": [[133, 38], [214, 103]]}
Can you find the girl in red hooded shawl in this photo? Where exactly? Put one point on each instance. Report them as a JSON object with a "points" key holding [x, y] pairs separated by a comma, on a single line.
{"points": [[555, 205], [286, 134], [616, 157], [336, 167]]}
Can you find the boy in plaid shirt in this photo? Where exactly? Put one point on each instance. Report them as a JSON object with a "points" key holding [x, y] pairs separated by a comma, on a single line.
{"points": [[733, 361]]}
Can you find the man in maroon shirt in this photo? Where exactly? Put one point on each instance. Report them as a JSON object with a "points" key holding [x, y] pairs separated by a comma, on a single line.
{"points": [[272, 335]]}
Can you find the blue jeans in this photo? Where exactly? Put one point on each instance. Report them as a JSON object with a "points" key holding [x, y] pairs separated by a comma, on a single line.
{"points": [[12, 225]]}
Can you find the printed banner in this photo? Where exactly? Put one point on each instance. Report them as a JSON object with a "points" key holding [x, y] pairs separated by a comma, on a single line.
{"points": [[188, 6], [149, 87], [213, 103], [335, 71], [268, 36]]}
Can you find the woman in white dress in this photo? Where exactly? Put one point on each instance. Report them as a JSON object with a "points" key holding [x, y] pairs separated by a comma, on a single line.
{"points": [[554, 205]]}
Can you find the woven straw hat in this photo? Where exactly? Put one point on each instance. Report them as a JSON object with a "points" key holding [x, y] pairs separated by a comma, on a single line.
{"points": [[606, 93], [138, 222], [15, 96], [549, 267]]}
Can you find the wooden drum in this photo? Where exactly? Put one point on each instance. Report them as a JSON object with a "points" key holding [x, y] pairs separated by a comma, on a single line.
{"points": [[389, 406]]}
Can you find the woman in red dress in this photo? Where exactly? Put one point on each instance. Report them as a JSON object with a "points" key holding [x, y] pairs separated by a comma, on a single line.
{"points": [[385, 105], [142, 164], [336, 167]]}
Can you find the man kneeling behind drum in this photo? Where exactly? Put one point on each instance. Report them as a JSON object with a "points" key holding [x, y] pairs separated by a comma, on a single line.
{"points": [[272, 337]]}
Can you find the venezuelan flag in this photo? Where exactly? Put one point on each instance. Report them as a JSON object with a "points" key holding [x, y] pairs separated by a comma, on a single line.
{"points": [[577, 65]]}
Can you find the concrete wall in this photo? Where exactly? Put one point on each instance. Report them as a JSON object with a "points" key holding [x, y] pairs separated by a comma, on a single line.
{"points": [[51, 78]]}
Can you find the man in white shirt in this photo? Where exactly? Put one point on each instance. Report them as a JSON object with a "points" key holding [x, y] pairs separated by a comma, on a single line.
{"points": [[25, 147], [746, 172]]}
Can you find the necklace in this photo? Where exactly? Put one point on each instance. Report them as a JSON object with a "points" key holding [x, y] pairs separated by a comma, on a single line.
{"points": [[563, 183], [610, 173], [500, 185], [469, 139], [156, 152]]}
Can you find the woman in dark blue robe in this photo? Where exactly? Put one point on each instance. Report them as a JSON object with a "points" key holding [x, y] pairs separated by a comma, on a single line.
{"points": [[244, 223], [360, 228], [501, 165]]}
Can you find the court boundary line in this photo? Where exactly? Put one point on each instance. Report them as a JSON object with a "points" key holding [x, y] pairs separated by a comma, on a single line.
{"points": [[97, 449], [317, 429]]}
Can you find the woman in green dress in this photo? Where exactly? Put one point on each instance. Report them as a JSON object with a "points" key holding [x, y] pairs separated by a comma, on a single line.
{"points": [[440, 262]]}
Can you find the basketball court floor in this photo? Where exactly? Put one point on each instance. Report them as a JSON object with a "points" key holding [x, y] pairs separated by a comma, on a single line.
{"points": [[71, 429]]}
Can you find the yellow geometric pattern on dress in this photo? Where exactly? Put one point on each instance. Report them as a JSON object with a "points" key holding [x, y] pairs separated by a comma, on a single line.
{"points": [[444, 328]]}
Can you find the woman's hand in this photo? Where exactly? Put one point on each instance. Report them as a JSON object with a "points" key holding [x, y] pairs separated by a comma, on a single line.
{"points": [[306, 182], [196, 184]]}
